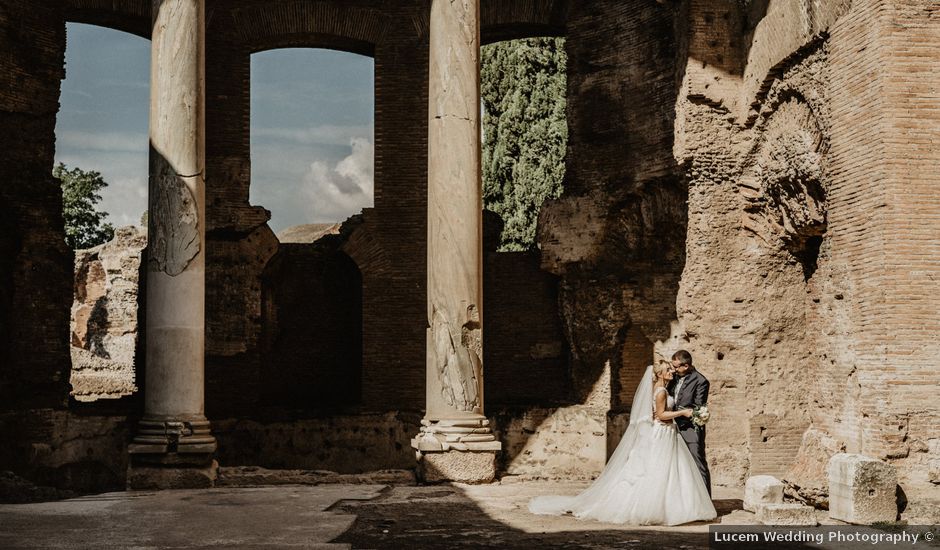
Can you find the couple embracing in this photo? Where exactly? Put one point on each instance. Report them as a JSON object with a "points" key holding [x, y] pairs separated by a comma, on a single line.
{"points": [[658, 474]]}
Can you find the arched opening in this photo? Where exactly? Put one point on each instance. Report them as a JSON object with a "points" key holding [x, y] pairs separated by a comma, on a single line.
{"points": [[312, 331], [102, 162], [312, 119]]}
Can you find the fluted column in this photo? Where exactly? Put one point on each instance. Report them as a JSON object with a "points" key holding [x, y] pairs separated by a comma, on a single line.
{"points": [[454, 420], [174, 429]]}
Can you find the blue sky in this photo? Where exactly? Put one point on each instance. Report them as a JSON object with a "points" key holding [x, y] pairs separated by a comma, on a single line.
{"points": [[311, 126]]}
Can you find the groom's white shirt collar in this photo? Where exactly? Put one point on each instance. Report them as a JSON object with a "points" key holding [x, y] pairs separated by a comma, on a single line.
{"points": [[682, 379]]}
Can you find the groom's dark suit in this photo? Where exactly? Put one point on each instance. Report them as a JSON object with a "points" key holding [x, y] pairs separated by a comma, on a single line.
{"points": [[693, 393]]}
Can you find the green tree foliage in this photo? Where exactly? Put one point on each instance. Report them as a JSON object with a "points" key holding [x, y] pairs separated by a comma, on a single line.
{"points": [[84, 226], [525, 132]]}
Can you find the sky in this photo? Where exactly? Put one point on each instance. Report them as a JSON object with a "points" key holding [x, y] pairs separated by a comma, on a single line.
{"points": [[311, 127]]}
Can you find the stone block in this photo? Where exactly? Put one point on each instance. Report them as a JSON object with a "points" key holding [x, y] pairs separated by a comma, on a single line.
{"points": [[933, 471], [761, 490], [861, 489], [739, 517], [146, 477], [786, 514], [462, 466]]}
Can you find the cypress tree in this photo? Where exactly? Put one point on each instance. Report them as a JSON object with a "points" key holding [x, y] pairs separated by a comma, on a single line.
{"points": [[525, 132]]}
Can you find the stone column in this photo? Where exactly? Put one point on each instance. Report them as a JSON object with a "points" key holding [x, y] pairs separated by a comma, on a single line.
{"points": [[173, 446], [456, 442]]}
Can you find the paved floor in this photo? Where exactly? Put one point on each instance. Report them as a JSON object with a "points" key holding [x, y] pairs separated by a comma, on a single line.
{"points": [[330, 516], [496, 516]]}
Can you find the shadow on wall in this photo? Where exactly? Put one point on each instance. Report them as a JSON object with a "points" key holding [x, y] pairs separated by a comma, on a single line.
{"points": [[524, 349]]}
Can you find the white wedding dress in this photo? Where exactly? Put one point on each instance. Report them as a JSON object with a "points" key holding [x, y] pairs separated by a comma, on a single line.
{"points": [[651, 479]]}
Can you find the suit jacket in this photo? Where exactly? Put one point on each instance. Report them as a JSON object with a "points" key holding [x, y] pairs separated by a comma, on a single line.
{"points": [[694, 393]]}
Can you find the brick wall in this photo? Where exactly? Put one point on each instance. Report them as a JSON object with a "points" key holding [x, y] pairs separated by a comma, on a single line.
{"points": [[524, 350], [36, 265], [912, 316], [748, 299], [133, 16], [856, 212], [389, 244]]}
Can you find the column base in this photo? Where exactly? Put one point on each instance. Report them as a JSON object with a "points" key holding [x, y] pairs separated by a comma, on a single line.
{"points": [[168, 454], [460, 466], [456, 450], [168, 436]]}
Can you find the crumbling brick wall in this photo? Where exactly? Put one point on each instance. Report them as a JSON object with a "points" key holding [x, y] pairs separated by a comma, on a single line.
{"points": [[800, 267], [49, 443], [105, 317], [616, 237]]}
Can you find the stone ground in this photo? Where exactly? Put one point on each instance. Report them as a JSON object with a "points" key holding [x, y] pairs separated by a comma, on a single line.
{"points": [[333, 516]]}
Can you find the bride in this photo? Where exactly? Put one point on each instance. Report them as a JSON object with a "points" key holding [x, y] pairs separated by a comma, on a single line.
{"points": [[651, 479]]}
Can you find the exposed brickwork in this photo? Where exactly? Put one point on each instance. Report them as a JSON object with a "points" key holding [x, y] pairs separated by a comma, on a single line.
{"points": [[265, 25], [621, 59], [856, 220], [747, 298], [716, 38], [133, 16], [35, 269], [778, 31], [814, 83], [617, 234], [900, 308], [522, 18]]}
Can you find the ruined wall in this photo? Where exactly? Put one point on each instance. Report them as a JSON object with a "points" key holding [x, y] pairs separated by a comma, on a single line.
{"points": [[104, 325], [754, 182], [616, 237], [388, 246], [760, 284], [388, 243], [799, 256], [82, 448], [885, 131]]}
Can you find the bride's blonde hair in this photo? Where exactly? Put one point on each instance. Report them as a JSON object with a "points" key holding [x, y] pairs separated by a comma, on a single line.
{"points": [[660, 367]]}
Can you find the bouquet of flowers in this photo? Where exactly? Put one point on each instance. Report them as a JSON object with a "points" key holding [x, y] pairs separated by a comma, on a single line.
{"points": [[700, 416]]}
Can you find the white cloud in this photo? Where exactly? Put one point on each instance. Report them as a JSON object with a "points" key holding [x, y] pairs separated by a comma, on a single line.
{"points": [[334, 193]]}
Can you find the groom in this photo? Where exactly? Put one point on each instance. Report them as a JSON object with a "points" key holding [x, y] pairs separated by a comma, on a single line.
{"points": [[690, 389]]}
